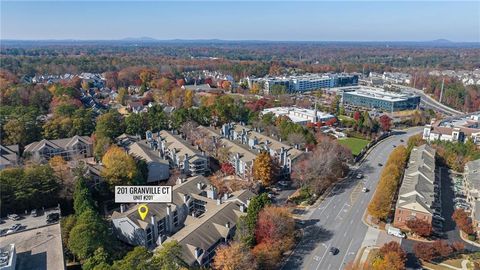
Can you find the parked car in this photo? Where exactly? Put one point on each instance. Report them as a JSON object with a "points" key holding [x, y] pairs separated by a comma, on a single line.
{"points": [[380, 164], [359, 175], [13, 217], [34, 213], [284, 183], [401, 140], [365, 189], [53, 217], [14, 228]]}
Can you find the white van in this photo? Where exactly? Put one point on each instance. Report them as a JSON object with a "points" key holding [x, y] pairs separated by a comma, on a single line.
{"points": [[395, 232]]}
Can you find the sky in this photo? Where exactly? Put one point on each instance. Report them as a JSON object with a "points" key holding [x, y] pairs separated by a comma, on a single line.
{"points": [[245, 20]]}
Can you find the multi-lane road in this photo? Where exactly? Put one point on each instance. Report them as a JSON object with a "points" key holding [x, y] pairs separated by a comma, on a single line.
{"points": [[337, 221]]}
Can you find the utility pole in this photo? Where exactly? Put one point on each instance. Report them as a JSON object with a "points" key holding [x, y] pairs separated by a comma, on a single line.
{"points": [[441, 90]]}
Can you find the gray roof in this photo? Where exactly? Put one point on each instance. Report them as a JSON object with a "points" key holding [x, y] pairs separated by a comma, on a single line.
{"points": [[182, 146], [8, 155], [472, 173], [418, 181], [57, 144], [246, 155], [476, 214], [143, 151]]}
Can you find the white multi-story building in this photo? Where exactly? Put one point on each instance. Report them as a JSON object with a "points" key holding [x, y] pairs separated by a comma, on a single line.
{"points": [[299, 115], [306, 82], [457, 129]]}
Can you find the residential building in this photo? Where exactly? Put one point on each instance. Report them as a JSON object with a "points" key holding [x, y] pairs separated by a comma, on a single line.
{"points": [[197, 218], [419, 192], [472, 188], [158, 167], [179, 152], [69, 148], [283, 154], [8, 257], [368, 98], [456, 129], [303, 83], [239, 156], [8, 156], [299, 115]]}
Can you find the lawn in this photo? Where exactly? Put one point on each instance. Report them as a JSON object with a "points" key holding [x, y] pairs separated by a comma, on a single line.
{"points": [[354, 144]]}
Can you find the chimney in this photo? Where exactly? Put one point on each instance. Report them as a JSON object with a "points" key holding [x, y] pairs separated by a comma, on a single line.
{"points": [[169, 210], [122, 208], [199, 185], [248, 202], [243, 208], [225, 196], [219, 201], [153, 220], [227, 225], [185, 198]]}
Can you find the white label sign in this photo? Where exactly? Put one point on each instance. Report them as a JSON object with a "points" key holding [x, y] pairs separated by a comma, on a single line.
{"points": [[143, 194]]}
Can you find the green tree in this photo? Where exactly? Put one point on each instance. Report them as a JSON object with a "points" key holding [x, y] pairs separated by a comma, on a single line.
{"points": [[82, 198], [247, 224], [137, 259], [110, 125], [157, 119], [169, 256], [100, 258], [89, 234], [136, 124]]}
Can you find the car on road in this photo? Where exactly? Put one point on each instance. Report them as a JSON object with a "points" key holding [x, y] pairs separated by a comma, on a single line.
{"points": [[333, 250], [13, 217], [380, 164], [401, 140], [14, 228], [53, 217]]}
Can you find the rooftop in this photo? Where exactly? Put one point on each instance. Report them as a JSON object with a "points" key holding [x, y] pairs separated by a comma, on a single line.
{"points": [[376, 93], [419, 180]]}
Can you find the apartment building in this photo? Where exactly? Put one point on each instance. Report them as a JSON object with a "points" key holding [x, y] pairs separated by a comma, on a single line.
{"points": [[368, 98], [70, 148], [472, 187], [419, 194], [456, 129], [239, 156], [158, 167], [198, 219], [283, 154], [8, 156], [306, 82]]}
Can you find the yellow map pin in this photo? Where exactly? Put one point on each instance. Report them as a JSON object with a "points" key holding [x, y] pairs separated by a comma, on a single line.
{"points": [[143, 211]]}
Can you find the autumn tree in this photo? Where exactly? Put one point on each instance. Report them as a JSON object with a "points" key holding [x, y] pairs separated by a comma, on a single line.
{"points": [[385, 122], [390, 256], [419, 227], [263, 168], [463, 221], [380, 205], [120, 168], [63, 173], [275, 224], [235, 256], [246, 225], [227, 168]]}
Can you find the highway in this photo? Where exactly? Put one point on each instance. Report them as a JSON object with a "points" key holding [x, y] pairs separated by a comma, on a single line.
{"points": [[337, 221], [431, 103]]}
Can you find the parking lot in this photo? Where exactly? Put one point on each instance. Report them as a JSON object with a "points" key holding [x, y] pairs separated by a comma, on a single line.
{"points": [[27, 221], [37, 249]]}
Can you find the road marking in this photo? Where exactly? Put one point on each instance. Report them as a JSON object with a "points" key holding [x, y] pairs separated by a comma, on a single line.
{"points": [[325, 253], [351, 221], [346, 254], [341, 210], [330, 265], [345, 234]]}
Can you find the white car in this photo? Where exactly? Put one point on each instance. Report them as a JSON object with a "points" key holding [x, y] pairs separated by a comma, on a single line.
{"points": [[14, 228]]}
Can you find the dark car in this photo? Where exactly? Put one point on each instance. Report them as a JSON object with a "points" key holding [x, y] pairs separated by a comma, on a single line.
{"points": [[401, 140], [53, 217], [380, 164], [333, 250]]}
